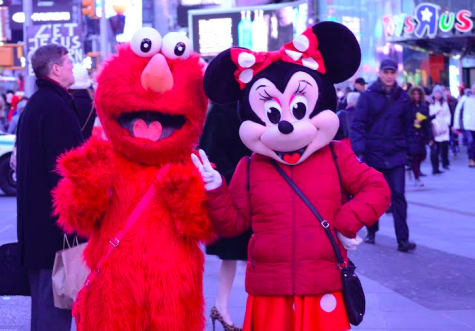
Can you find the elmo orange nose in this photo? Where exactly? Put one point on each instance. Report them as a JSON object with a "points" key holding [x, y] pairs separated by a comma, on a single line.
{"points": [[157, 76]]}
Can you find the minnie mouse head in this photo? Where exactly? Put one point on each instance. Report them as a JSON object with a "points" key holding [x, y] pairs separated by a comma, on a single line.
{"points": [[287, 98]]}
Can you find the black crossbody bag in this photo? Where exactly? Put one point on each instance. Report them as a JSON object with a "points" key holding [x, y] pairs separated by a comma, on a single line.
{"points": [[353, 294]]}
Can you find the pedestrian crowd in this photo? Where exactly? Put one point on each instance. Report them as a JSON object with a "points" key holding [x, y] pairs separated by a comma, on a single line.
{"points": [[443, 124], [391, 128]]}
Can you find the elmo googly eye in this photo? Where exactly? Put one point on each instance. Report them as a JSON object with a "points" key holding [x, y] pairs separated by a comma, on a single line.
{"points": [[176, 46], [146, 42]]}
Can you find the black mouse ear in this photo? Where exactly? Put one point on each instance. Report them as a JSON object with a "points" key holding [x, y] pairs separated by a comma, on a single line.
{"points": [[340, 50], [219, 82]]}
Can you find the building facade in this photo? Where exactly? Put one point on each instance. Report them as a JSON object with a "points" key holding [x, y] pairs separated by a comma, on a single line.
{"points": [[431, 40]]}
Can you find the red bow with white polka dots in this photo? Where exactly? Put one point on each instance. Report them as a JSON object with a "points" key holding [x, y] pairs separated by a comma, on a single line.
{"points": [[303, 50]]}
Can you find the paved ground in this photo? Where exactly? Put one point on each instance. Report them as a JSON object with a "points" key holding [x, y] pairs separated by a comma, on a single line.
{"points": [[430, 289]]}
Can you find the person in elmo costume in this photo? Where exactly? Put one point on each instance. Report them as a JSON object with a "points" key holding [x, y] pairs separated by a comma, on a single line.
{"points": [[138, 197]]}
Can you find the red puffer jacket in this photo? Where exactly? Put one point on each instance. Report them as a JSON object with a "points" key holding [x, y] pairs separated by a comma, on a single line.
{"points": [[289, 253]]}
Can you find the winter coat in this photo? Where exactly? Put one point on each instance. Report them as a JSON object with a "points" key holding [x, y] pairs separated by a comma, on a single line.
{"points": [[441, 120], [13, 123], [424, 132], [384, 140], [87, 114], [346, 117], [452, 106], [47, 128], [465, 119], [289, 252]]}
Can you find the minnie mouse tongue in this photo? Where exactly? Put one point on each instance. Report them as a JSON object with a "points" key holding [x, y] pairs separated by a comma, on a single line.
{"points": [[291, 157]]}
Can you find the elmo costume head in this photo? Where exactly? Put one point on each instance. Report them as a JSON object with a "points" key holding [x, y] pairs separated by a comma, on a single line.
{"points": [[150, 98]]}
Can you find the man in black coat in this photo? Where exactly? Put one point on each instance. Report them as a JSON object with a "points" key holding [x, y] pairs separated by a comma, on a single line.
{"points": [[382, 134], [48, 127]]}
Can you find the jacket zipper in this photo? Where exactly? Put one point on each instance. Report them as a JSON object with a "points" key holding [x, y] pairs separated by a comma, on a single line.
{"points": [[253, 261], [293, 233]]}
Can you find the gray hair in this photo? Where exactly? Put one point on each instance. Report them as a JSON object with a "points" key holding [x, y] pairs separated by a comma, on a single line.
{"points": [[352, 98], [44, 57]]}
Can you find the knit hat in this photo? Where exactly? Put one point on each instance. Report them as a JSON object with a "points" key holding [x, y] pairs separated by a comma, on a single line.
{"points": [[438, 89], [81, 78]]}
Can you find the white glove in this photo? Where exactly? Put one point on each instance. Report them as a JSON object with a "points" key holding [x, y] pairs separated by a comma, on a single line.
{"points": [[211, 177], [348, 243]]}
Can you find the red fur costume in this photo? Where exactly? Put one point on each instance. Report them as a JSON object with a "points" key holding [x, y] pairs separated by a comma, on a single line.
{"points": [[153, 279]]}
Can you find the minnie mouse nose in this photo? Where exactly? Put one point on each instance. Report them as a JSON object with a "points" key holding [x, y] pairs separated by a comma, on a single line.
{"points": [[285, 127]]}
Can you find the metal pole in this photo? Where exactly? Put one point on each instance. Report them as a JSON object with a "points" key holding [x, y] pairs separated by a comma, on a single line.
{"points": [[162, 19], [29, 80], [103, 25]]}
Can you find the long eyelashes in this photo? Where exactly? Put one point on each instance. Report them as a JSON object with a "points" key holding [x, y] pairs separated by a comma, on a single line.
{"points": [[266, 97], [301, 90]]}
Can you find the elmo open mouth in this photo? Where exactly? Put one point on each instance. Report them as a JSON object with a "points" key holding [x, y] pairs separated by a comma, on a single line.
{"points": [[149, 124], [291, 157]]}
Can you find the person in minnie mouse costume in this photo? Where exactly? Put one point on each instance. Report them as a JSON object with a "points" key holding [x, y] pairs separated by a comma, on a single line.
{"points": [[286, 104]]}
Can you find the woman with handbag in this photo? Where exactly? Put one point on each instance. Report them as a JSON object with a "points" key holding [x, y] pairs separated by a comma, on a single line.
{"points": [[440, 112], [290, 191]]}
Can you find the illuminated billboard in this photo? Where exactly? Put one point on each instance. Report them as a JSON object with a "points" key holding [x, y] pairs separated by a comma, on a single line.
{"points": [[259, 28]]}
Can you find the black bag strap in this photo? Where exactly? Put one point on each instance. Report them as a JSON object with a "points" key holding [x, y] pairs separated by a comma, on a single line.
{"points": [[319, 217], [334, 157], [88, 118]]}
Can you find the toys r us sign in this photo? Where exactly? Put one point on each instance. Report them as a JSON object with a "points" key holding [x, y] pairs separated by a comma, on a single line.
{"points": [[428, 21]]}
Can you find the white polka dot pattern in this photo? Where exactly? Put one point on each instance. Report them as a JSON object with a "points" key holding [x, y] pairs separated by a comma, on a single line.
{"points": [[301, 43], [310, 63], [246, 60], [328, 303], [293, 54], [246, 76]]}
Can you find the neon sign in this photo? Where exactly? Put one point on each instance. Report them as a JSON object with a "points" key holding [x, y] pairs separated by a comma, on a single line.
{"points": [[428, 20]]}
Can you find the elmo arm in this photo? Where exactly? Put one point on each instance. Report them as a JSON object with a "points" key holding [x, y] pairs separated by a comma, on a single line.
{"points": [[180, 188], [82, 195], [371, 195]]}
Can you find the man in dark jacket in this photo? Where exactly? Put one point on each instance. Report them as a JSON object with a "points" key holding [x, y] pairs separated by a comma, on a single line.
{"points": [[48, 127], [382, 134]]}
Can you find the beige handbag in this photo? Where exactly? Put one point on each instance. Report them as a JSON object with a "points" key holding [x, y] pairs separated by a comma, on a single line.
{"points": [[69, 273]]}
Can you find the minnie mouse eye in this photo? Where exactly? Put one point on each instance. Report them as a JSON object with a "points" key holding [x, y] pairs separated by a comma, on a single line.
{"points": [[273, 111], [176, 46], [146, 42], [299, 107]]}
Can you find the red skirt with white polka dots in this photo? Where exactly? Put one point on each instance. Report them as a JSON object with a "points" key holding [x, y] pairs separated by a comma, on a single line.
{"points": [[324, 312]]}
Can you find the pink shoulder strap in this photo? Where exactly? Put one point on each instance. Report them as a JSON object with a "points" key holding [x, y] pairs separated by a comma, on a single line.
{"points": [[115, 241]]}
